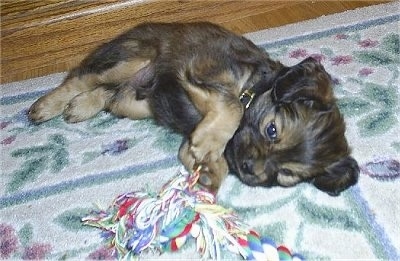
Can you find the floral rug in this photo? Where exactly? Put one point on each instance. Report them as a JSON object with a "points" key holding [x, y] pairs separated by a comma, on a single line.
{"points": [[54, 173]]}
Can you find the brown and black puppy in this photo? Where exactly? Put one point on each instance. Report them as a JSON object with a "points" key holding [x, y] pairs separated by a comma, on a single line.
{"points": [[196, 79], [294, 132], [187, 76]]}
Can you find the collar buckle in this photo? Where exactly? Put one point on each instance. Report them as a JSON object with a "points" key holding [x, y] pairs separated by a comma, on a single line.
{"points": [[247, 97]]}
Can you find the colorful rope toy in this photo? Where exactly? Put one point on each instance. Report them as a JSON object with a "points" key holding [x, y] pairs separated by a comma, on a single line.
{"points": [[182, 210]]}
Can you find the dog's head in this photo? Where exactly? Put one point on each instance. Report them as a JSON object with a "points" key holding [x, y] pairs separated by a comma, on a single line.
{"points": [[294, 132]]}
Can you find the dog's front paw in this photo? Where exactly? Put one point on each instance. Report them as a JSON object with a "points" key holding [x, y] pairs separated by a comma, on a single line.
{"points": [[209, 149], [45, 109], [212, 173]]}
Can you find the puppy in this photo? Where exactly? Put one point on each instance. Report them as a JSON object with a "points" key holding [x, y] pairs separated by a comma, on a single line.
{"points": [[199, 80], [294, 132]]}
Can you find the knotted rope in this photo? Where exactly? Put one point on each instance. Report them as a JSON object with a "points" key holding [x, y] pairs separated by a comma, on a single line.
{"points": [[138, 221]]}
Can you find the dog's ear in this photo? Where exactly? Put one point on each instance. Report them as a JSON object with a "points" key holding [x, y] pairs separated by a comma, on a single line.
{"points": [[306, 82], [338, 176]]}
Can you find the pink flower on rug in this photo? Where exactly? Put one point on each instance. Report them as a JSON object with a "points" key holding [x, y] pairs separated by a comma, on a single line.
{"points": [[341, 36], [8, 241], [341, 59], [298, 53], [318, 57], [4, 124], [365, 71], [102, 254], [36, 251], [115, 148], [368, 43], [8, 140]]}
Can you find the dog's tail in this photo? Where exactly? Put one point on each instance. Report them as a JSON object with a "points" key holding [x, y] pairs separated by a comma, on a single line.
{"points": [[338, 176]]}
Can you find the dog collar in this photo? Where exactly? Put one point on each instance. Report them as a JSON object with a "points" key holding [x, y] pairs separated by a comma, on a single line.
{"points": [[248, 95]]}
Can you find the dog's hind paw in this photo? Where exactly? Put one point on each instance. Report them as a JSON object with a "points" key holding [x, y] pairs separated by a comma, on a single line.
{"points": [[44, 109]]}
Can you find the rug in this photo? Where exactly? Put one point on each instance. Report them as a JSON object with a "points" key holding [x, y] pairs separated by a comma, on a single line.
{"points": [[54, 173]]}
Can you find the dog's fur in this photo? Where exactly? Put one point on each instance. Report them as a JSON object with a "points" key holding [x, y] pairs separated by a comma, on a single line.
{"points": [[189, 78]]}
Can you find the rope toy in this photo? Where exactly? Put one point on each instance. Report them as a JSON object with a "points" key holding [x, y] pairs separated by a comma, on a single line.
{"points": [[138, 221]]}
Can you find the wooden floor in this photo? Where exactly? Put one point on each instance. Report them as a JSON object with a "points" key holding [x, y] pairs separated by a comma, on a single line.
{"points": [[39, 37]]}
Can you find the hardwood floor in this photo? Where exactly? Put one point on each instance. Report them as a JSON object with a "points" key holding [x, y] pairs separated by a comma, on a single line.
{"points": [[39, 37]]}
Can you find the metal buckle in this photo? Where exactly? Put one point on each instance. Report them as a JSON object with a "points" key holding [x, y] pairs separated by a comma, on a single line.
{"points": [[247, 97]]}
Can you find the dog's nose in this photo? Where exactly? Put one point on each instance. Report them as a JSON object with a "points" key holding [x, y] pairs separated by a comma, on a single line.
{"points": [[247, 166]]}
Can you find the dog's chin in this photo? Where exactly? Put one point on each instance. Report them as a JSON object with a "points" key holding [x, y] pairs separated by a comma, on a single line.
{"points": [[255, 180]]}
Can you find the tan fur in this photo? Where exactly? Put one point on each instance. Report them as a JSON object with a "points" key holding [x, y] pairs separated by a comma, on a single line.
{"points": [[86, 105], [298, 171], [123, 71], [54, 103], [128, 106], [221, 117]]}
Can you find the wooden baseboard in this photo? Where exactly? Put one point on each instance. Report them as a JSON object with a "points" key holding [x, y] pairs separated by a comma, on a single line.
{"points": [[42, 37]]}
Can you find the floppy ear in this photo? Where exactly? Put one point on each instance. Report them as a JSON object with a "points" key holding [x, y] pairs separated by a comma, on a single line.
{"points": [[306, 82], [338, 176]]}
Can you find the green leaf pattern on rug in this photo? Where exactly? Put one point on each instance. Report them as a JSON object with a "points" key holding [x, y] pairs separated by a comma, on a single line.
{"points": [[381, 95], [167, 140], [375, 57], [71, 219], [388, 52], [353, 106], [25, 234], [391, 43], [275, 231], [327, 216], [102, 120], [380, 109], [89, 156], [396, 145], [376, 103], [376, 123], [37, 161]]}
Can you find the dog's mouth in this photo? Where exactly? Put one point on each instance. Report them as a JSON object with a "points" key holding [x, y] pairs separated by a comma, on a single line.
{"points": [[249, 172]]}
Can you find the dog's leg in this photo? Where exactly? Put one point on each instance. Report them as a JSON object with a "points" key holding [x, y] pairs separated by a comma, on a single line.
{"points": [[214, 92], [54, 103], [86, 105], [211, 135], [125, 104], [80, 96], [212, 173], [207, 142]]}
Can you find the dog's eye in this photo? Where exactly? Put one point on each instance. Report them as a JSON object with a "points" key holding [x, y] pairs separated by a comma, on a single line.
{"points": [[271, 131]]}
